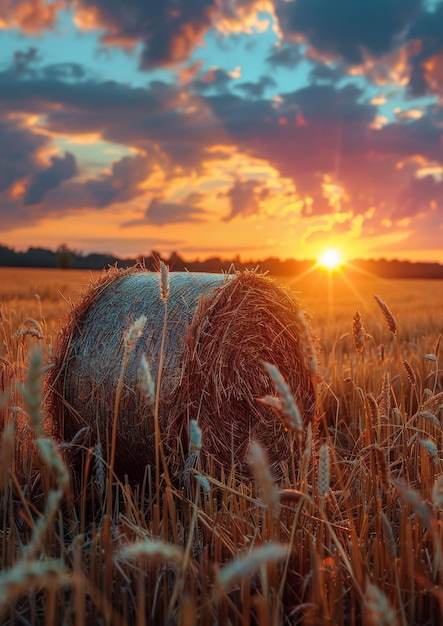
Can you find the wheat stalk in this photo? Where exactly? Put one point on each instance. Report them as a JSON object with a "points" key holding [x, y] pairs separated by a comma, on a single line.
{"points": [[307, 344], [29, 327], [246, 565], [382, 467], [410, 373], [434, 403], [380, 611], [358, 332], [151, 550], [30, 574], [164, 280], [390, 319], [437, 492], [288, 408], [146, 382], [384, 399], [323, 484], [266, 485], [7, 454]]}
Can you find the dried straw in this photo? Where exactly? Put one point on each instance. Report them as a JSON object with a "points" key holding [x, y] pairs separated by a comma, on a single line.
{"points": [[219, 331]]}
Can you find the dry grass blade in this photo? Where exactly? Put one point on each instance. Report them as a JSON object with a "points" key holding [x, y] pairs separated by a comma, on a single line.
{"points": [[382, 467], [390, 319], [437, 345], [7, 454], [437, 492]]}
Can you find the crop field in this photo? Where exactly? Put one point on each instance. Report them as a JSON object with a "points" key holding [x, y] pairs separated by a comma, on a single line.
{"points": [[353, 533]]}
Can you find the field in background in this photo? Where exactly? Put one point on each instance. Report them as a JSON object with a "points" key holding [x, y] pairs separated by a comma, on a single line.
{"points": [[357, 539], [330, 299]]}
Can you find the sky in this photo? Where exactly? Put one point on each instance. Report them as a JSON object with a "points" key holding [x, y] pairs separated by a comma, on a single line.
{"points": [[258, 128]]}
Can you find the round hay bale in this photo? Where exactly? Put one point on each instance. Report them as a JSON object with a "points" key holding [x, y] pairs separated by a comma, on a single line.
{"points": [[219, 330]]}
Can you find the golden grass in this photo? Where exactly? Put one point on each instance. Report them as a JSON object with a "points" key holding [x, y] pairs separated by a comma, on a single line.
{"points": [[357, 539]]}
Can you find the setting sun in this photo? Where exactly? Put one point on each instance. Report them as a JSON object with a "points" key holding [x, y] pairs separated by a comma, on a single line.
{"points": [[330, 259]]}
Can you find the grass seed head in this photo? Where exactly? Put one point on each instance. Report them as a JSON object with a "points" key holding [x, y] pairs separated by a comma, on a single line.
{"points": [[29, 327], [134, 332], [246, 565], [146, 382], [380, 611], [390, 319], [410, 373], [384, 399], [358, 332], [323, 483], [307, 343], [195, 435], [289, 409], [267, 488], [430, 448], [151, 550], [164, 280]]}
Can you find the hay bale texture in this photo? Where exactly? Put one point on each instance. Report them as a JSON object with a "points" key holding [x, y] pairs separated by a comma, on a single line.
{"points": [[219, 330]]}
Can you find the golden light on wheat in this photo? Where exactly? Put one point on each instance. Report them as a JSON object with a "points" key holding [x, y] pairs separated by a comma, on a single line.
{"points": [[353, 537]]}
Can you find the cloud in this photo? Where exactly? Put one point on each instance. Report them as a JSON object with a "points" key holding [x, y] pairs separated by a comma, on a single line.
{"points": [[216, 79], [17, 149], [421, 195], [24, 60], [257, 89], [61, 168], [410, 138], [65, 72], [346, 28], [161, 114], [320, 137], [161, 213], [168, 30], [426, 59], [31, 16], [286, 54], [121, 184], [244, 199]]}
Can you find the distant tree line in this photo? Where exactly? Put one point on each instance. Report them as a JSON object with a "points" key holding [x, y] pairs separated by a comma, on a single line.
{"points": [[65, 258]]}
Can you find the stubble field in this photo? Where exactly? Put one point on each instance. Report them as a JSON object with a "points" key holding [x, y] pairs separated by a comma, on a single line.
{"points": [[356, 538]]}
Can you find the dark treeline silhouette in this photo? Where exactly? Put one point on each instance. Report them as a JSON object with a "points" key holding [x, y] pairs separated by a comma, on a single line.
{"points": [[67, 259]]}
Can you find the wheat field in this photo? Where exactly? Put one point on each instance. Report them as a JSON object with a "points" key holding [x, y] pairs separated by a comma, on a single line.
{"points": [[355, 538]]}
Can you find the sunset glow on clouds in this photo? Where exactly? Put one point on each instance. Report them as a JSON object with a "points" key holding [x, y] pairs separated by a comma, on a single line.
{"points": [[258, 127]]}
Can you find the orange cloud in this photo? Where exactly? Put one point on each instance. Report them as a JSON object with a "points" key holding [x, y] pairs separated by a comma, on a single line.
{"points": [[31, 16], [433, 69]]}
